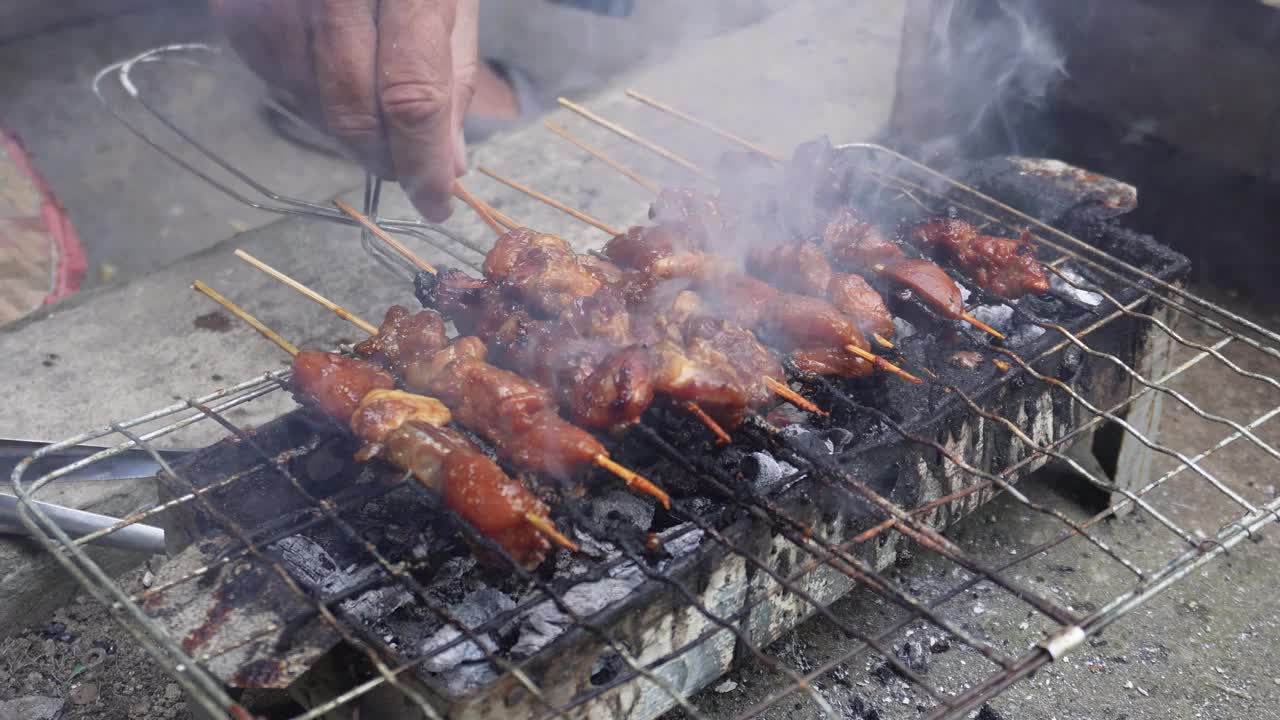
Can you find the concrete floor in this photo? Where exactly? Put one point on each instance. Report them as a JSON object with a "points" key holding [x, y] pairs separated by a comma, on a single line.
{"points": [[1204, 649]]}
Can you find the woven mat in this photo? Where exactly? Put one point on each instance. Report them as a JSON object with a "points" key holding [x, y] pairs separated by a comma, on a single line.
{"points": [[40, 256]]}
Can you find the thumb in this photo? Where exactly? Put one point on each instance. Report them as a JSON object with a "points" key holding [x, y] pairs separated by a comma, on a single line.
{"points": [[463, 44]]}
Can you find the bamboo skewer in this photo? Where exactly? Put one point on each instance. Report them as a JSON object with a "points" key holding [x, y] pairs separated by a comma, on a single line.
{"points": [[662, 151], [705, 124], [639, 179], [722, 437], [252, 321], [599, 225], [982, 326], [642, 142], [482, 210], [385, 236], [632, 479], [783, 391], [312, 294], [870, 357], [537, 522]]}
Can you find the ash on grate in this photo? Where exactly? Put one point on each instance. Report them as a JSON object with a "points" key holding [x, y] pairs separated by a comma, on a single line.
{"points": [[315, 568], [1067, 287]]}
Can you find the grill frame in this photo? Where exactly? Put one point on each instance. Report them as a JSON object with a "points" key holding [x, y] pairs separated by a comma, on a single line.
{"points": [[1159, 301]]}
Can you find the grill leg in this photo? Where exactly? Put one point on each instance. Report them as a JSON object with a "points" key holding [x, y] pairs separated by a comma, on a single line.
{"points": [[1135, 462]]}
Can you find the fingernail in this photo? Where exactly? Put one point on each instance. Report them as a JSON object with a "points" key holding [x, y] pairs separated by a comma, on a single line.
{"points": [[459, 154], [434, 207]]}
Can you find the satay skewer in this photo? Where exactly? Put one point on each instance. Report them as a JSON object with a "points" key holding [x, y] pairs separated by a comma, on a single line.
{"points": [[632, 479], [639, 179], [543, 525], [778, 388], [668, 155], [876, 360], [647, 144], [648, 185], [385, 236], [704, 124], [489, 214]]}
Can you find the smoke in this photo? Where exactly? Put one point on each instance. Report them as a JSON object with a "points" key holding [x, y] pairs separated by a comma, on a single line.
{"points": [[983, 67]]}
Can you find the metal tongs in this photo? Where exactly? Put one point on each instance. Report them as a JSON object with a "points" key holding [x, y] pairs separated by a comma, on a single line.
{"points": [[127, 465]]}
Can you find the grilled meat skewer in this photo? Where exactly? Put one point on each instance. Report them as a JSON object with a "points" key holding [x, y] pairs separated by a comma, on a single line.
{"points": [[517, 415], [1004, 266], [408, 431]]}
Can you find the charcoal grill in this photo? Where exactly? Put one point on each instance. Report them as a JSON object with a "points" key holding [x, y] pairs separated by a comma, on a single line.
{"points": [[359, 595]]}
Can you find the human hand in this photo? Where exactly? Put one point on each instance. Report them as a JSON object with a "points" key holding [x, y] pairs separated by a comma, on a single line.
{"points": [[391, 79]]}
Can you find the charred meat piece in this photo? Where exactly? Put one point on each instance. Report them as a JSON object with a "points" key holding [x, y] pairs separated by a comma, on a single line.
{"points": [[516, 415], [336, 384], [741, 350], [381, 411], [639, 247], [617, 391], [542, 270], [854, 296], [601, 269], [830, 361], [405, 429], [472, 485], [799, 267], [795, 321], [1004, 266], [699, 378], [855, 244], [739, 298], [456, 295], [930, 284], [695, 209], [404, 335], [816, 175]]}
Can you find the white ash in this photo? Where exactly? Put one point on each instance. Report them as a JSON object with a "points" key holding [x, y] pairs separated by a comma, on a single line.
{"points": [[469, 676], [1024, 334], [681, 544], [903, 329], [477, 608], [306, 560], [1065, 287], [622, 505], [590, 546], [964, 292], [546, 621], [809, 438], [677, 542], [999, 316], [765, 471], [311, 564]]}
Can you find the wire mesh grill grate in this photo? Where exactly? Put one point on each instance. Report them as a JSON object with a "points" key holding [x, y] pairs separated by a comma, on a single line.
{"points": [[761, 553]]}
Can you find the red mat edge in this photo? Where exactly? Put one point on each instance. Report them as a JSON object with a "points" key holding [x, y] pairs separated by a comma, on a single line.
{"points": [[70, 262]]}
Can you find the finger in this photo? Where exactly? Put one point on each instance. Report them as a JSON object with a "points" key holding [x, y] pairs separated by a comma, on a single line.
{"points": [[271, 38], [415, 94], [345, 50], [464, 45]]}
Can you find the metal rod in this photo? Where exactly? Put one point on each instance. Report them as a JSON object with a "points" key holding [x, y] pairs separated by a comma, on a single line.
{"points": [[138, 537]]}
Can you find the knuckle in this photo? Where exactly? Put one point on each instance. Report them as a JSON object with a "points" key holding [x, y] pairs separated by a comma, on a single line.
{"points": [[413, 104], [356, 126]]}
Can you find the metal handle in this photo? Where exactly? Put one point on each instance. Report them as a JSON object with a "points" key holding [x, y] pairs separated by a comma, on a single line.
{"points": [[142, 538]]}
